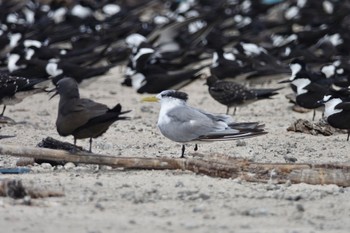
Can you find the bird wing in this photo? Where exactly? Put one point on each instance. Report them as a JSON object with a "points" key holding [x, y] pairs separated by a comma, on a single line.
{"points": [[187, 124], [76, 113], [232, 91], [9, 85], [343, 105], [196, 125], [94, 108], [217, 117]]}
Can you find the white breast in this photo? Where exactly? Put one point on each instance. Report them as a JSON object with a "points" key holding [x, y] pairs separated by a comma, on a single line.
{"points": [[330, 105], [301, 84]]}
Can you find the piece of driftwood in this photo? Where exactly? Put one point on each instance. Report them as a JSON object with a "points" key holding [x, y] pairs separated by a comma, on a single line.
{"points": [[15, 189], [215, 165], [52, 143], [305, 126]]}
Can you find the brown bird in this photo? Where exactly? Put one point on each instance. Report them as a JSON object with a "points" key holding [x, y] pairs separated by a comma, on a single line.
{"points": [[82, 118]]}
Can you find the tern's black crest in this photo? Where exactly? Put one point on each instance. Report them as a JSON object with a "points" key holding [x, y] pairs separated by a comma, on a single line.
{"points": [[175, 94]]}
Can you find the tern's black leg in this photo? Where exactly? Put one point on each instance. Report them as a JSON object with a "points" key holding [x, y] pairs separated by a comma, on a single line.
{"points": [[227, 110], [183, 151], [234, 110], [313, 117], [348, 135], [90, 144], [195, 147]]}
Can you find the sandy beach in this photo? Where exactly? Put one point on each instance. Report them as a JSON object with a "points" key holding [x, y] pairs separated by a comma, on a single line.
{"points": [[114, 200]]}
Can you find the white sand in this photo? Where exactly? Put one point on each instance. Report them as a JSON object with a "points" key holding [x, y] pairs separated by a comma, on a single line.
{"points": [[173, 201]]}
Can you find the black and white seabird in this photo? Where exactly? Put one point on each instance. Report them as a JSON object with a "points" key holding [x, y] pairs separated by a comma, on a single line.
{"points": [[227, 65], [261, 63], [308, 94], [233, 94], [182, 123], [83, 118], [146, 82], [337, 112]]}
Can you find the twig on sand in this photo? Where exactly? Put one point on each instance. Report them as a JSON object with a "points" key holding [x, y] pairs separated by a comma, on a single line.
{"points": [[214, 165]]}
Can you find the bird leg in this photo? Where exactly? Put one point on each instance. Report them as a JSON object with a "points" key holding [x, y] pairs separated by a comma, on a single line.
{"points": [[182, 151], [90, 145], [227, 110], [234, 110], [3, 110], [313, 117], [348, 135], [195, 147], [75, 145], [5, 119]]}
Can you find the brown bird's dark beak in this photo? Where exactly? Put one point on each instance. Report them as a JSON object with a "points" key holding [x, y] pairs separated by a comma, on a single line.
{"points": [[52, 90]]}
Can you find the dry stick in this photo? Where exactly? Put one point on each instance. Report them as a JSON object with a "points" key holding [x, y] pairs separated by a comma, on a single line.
{"points": [[213, 165], [90, 158]]}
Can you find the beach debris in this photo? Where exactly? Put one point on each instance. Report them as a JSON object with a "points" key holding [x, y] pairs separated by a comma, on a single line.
{"points": [[15, 189], [214, 165], [305, 126]]}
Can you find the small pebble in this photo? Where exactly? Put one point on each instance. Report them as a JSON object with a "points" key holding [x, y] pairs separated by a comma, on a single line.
{"points": [[99, 206], [290, 159], [23, 162], [69, 166], [46, 166], [241, 143], [179, 184], [300, 207], [27, 200]]}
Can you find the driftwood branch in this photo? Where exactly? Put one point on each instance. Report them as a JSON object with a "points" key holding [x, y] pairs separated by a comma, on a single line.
{"points": [[213, 165], [15, 189]]}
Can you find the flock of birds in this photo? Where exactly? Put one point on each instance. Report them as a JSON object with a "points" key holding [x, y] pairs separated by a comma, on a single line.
{"points": [[166, 45]]}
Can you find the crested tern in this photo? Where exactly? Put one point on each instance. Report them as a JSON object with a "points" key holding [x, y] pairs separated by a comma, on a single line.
{"points": [[182, 123]]}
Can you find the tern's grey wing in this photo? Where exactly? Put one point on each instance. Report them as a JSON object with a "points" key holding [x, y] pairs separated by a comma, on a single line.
{"points": [[186, 124], [218, 117]]}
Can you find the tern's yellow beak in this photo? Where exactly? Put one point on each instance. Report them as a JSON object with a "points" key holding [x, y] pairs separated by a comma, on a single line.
{"points": [[150, 99]]}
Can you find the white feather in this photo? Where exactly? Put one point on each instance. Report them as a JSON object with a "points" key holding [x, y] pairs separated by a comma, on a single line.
{"points": [[301, 83], [330, 107], [111, 9], [137, 80], [52, 69], [11, 63], [291, 13], [14, 38], [295, 68], [29, 43], [134, 40], [81, 11]]}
